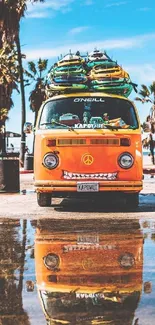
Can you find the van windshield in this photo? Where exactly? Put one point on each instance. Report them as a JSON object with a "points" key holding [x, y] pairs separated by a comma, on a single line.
{"points": [[88, 112], [67, 306]]}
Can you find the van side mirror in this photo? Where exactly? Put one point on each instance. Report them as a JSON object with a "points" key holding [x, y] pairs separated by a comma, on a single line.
{"points": [[147, 287], [28, 128], [29, 286]]}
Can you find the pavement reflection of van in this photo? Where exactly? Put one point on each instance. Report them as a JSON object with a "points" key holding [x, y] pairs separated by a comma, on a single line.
{"points": [[87, 274]]}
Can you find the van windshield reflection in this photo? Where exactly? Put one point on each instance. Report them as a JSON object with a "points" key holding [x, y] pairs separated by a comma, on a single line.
{"points": [[88, 113]]}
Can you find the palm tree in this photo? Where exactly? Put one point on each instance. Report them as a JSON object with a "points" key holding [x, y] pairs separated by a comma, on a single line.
{"points": [[3, 118], [10, 25], [36, 74], [8, 82], [13, 11], [147, 95]]}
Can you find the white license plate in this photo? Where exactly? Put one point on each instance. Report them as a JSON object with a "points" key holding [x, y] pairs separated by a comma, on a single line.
{"points": [[87, 239], [87, 187]]}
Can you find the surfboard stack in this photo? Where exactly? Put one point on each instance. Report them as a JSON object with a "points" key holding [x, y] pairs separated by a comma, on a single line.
{"points": [[107, 76], [97, 72], [69, 74]]}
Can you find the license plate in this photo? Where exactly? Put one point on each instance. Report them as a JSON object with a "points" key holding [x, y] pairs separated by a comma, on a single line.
{"points": [[87, 239], [87, 187]]}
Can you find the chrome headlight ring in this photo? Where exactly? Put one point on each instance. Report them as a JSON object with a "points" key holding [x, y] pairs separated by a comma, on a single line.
{"points": [[125, 160], [50, 160], [127, 260], [51, 261]]}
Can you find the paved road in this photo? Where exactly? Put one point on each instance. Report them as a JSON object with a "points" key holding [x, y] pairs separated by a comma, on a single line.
{"points": [[25, 205]]}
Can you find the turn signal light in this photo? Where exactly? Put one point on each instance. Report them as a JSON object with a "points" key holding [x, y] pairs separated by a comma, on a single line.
{"points": [[125, 142], [51, 142]]}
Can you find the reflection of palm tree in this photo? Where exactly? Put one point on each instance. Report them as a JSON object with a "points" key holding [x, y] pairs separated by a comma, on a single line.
{"points": [[153, 237], [20, 286], [12, 256]]}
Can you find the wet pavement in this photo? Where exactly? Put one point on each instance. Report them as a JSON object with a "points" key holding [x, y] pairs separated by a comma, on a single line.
{"points": [[88, 271], [24, 205]]}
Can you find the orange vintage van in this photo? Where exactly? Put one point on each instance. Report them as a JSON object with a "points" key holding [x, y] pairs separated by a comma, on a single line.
{"points": [[87, 143], [89, 275]]}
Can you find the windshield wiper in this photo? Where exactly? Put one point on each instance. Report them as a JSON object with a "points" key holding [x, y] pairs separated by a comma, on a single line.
{"points": [[57, 123], [70, 128], [95, 127], [112, 127], [46, 123], [115, 127]]}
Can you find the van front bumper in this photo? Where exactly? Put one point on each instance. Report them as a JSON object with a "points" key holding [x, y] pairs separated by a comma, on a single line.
{"points": [[104, 186]]}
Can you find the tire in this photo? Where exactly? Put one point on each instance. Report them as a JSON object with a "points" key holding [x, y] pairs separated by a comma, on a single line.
{"points": [[44, 199], [132, 200], [132, 301]]}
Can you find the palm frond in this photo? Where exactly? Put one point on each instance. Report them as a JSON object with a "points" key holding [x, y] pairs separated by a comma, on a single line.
{"points": [[148, 100], [144, 91], [42, 64], [28, 74], [144, 87], [139, 99], [152, 87], [3, 114], [32, 67], [37, 96]]}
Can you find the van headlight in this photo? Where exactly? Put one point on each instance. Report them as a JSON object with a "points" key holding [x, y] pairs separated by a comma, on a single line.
{"points": [[125, 160], [127, 261], [50, 161], [51, 261]]}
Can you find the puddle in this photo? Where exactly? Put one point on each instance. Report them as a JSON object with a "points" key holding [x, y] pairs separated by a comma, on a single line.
{"points": [[25, 192], [77, 272]]}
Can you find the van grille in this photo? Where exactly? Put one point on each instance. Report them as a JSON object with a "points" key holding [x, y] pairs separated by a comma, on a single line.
{"points": [[105, 141], [66, 142], [75, 142], [100, 279]]}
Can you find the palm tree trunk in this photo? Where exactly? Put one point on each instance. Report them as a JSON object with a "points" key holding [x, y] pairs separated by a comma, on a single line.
{"points": [[23, 105], [1, 32], [2, 138], [153, 111], [35, 117], [1, 142]]}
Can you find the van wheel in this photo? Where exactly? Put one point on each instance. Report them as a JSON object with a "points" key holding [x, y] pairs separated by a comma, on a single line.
{"points": [[132, 200], [44, 199]]}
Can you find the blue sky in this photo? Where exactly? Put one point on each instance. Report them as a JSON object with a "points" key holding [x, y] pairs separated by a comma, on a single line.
{"points": [[125, 29]]}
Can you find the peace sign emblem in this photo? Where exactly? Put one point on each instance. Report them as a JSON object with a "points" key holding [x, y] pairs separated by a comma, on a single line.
{"points": [[87, 159]]}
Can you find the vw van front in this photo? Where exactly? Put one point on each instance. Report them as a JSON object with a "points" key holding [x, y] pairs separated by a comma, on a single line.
{"points": [[87, 143]]}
